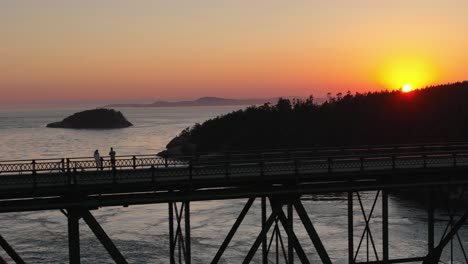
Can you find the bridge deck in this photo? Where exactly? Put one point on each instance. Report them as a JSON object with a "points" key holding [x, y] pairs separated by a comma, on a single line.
{"points": [[149, 179]]}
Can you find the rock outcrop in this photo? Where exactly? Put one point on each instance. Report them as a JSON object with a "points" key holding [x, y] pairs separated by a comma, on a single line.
{"points": [[101, 118]]}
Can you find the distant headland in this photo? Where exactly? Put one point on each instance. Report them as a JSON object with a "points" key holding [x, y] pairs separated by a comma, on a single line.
{"points": [[203, 101], [100, 118], [434, 114]]}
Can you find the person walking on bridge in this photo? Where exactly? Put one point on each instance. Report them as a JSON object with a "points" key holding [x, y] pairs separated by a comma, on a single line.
{"points": [[97, 158], [112, 157]]}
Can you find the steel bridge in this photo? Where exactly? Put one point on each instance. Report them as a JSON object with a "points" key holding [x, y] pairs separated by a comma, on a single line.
{"points": [[279, 178]]}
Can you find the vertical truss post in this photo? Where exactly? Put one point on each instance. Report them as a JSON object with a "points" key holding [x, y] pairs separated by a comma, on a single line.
{"points": [[188, 252], [350, 229], [264, 238], [73, 236], [171, 233], [290, 240], [430, 221], [10, 251], [385, 225]]}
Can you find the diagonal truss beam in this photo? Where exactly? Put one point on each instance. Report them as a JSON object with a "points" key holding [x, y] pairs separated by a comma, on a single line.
{"points": [[284, 221], [367, 230], [259, 239], [233, 231], [312, 232], [434, 255], [10, 251], [277, 213], [103, 237], [179, 237]]}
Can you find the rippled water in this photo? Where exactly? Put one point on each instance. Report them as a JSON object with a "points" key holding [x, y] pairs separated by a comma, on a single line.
{"points": [[141, 232]]}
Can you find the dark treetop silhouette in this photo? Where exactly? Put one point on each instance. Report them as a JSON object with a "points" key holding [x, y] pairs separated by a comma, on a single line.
{"points": [[434, 114], [96, 118]]}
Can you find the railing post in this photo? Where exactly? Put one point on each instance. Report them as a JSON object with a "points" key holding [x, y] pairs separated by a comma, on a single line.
{"points": [[34, 172], [166, 164], [424, 161], [102, 163], [362, 164], [226, 170], [63, 165], [190, 173], [262, 170], [152, 175], [393, 162], [69, 172], [134, 162], [330, 165], [74, 174], [454, 160], [114, 175], [296, 168]]}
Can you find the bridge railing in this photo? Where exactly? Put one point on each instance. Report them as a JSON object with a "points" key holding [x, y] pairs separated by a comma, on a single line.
{"points": [[428, 155], [87, 164], [153, 171]]}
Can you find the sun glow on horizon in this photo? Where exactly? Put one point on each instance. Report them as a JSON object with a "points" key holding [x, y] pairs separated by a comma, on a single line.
{"points": [[407, 74]]}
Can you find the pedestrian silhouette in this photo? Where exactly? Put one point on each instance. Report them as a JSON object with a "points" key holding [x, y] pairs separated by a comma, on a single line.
{"points": [[112, 157], [97, 158]]}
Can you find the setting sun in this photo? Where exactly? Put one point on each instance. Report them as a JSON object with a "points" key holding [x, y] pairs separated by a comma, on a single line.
{"points": [[407, 88]]}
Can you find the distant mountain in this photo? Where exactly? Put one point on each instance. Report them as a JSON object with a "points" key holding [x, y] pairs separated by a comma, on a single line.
{"points": [[203, 101]]}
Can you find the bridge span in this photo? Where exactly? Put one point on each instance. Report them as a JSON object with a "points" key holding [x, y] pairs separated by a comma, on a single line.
{"points": [[278, 178]]}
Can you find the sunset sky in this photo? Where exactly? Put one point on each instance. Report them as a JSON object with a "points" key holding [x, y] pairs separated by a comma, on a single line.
{"points": [[108, 50]]}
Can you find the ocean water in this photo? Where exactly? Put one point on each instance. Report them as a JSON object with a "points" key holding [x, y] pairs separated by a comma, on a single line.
{"points": [[141, 232]]}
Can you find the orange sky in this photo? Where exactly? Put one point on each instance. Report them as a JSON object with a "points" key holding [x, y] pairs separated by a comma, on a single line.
{"points": [[117, 50]]}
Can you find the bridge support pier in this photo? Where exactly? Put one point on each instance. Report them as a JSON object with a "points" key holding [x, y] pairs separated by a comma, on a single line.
{"points": [[73, 218], [350, 228], [290, 241], [385, 252], [264, 238]]}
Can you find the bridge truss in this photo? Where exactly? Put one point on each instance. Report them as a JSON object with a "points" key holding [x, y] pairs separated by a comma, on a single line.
{"points": [[277, 180]]}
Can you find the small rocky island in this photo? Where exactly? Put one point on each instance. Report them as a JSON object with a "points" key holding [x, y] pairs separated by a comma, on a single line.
{"points": [[100, 118]]}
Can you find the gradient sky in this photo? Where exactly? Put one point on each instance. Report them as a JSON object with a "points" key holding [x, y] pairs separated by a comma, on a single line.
{"points": [[67, 50]]}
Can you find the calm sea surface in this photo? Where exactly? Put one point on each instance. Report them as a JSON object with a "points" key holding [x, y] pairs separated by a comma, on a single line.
{"points": [[141, 232]]}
